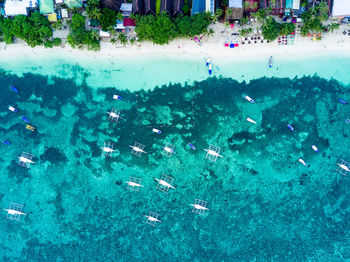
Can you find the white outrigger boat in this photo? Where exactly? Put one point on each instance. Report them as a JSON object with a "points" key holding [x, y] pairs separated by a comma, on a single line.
{"points": [[164, 183], [249, 99], [251, 120]]}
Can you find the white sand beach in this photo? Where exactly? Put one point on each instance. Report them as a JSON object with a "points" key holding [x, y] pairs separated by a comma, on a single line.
{"points": [[181, 60]]}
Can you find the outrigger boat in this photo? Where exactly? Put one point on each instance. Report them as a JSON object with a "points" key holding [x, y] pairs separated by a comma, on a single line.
{"points": [[192, 146], [270, 61], [25, 119], [6, 142], [249, 99], [31, 128], [13, 109], [14, 88]]}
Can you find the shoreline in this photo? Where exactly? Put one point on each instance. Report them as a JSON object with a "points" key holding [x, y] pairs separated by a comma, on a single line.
{"points": [[180, 61]]}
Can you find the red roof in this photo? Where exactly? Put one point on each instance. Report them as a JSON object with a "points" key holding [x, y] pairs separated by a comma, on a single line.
{"points": [[129, 21]]}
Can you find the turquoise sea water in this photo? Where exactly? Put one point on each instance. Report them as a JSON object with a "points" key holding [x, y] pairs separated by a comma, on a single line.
{"points": [[263, 204]]}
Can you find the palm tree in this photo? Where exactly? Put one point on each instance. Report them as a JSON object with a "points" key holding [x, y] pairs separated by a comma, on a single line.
{"points": [[229, 13], [94, 35], [112, 31], [333, 27], [58, 25], [95, 14], [119, 16], [94, 2], [246, 5], [113, 40]]}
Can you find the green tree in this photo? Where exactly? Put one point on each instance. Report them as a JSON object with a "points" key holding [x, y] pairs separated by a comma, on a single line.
{"points": [[107, 19], [229, 13], [113, 41], [186, 10], [112, 31], [333, 26], [322, 10], [122, 38], [94, 35], [270, 29], [158, 29], [58, 25], [95, 13], [287, 28], [119, 16], [158, 3], [218, 13], [79, 37]]}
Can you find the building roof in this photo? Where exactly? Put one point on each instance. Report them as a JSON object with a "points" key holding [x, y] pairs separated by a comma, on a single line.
{"points": [[137, 7], [111, 4], [210, 6], [341, 8], [178, 4], [105, 33], [237, 13], [150, 7], [52, 17], [64, 13], [129, 22], [166, 6], [198, 6], [120, 25], [73, 3], [126, 7], [18, 7], [235, 3], [46, 6]]}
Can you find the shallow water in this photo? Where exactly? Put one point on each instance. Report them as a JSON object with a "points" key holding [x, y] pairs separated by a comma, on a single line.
{"points": [[263, 204]]}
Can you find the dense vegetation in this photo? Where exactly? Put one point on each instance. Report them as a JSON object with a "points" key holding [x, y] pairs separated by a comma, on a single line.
{"points": [[271, 29], [161, 29], [314, 18], [79, 37], [34, 30]]}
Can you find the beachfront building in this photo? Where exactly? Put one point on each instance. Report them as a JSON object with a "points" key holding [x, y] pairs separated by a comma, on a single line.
{"points": [[210, 6], [198, 6], [237, 10], [73, 3], [177, 8], [126, 9], [150, 7], [19, 7], [341, 8], [291, 6], [46, 7], [146, 7], [167, 6], [111, 4]]}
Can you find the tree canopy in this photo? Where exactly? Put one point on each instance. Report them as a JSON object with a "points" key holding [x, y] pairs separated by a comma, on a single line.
{"points": [[108, 18], [34, 30], [79, 37], [161, 29]]}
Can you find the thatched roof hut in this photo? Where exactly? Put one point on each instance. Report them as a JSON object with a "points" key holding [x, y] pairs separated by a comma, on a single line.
{"points": [[166, 6], [137, 7], [111, 4], [150, 7], [178, 4]]}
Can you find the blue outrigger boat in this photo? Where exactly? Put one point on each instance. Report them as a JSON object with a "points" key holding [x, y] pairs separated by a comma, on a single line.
{"points": [[14, 88]]}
